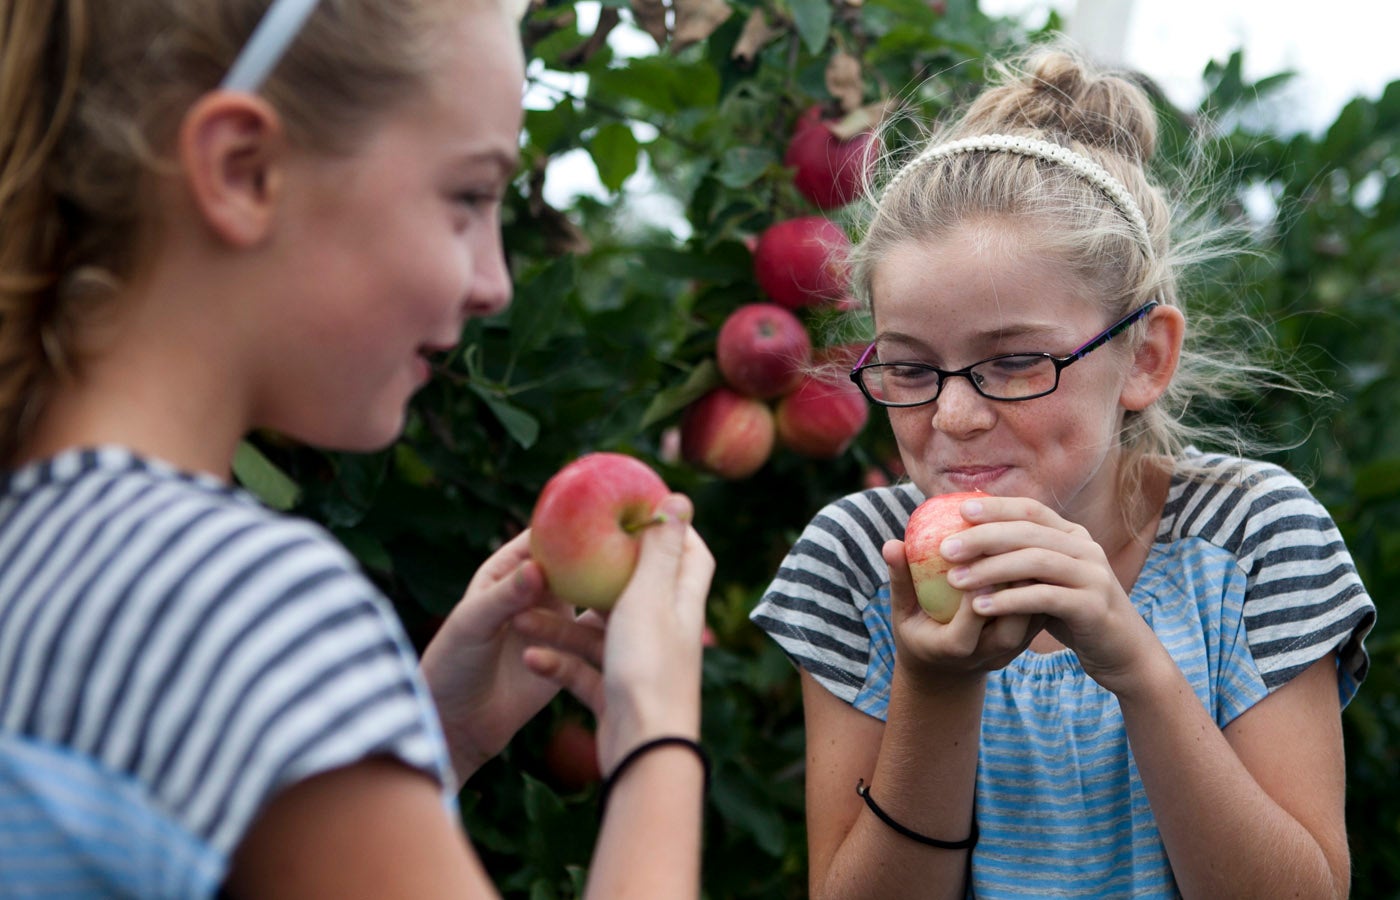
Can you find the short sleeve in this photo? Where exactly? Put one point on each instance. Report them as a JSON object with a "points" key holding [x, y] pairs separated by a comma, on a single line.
{"points": [[1304, 597], [305, 670], [816, 607]]}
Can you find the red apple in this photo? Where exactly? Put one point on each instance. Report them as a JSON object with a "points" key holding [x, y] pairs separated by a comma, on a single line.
{"points": [[762, 350], [830, 172], [933, 521], [802, 262], [822, 416], [727, 433], [585, 530], [571, 756]]}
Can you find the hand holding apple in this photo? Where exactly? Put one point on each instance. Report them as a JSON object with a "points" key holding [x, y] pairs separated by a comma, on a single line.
{"points": [[585, 528], [934, 520]]}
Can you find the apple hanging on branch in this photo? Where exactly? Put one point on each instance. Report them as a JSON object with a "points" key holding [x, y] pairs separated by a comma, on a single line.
{"points": [[832, 162], [727, 434], [826, 412], [762, 350], [932, 522], [585, 531], [802, 262], [571, 755]]}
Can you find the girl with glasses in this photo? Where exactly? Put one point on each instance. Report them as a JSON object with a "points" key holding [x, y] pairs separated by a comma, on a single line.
{"points": [[222, 215], [1139, 695]]}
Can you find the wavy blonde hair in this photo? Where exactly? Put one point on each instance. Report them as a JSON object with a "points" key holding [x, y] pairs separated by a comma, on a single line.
{"points": [[1052, 93]]}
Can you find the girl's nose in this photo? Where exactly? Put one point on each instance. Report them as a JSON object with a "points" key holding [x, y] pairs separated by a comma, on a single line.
{"points": [[490, 288], [960, 411]]}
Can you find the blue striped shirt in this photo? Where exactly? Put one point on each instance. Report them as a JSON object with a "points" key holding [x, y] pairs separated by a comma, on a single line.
{"points": [[173, 655], [1247, 583]]}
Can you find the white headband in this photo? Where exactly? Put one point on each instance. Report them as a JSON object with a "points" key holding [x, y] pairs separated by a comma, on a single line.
{"points": [[280, 25], [1081, 165]]}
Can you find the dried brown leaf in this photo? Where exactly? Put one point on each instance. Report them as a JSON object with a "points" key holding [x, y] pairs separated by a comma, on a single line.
{"points": [[756, 34], [608, 19], [844, 80], [697, 20], [865, 118], [651, 18]]}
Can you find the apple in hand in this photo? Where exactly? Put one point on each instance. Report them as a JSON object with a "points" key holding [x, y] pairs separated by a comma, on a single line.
{"points": [[585, 531], [802, 262], [762, 349], [727, 433], [933, 521]]}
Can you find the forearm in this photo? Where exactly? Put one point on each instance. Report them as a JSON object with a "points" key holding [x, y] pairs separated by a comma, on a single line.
{"points": [[656, 805], [1224, 834], [925, 779]]}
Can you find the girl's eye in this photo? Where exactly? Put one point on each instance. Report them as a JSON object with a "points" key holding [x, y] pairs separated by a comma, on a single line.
{"points": [[478, 199], [907, 373]]}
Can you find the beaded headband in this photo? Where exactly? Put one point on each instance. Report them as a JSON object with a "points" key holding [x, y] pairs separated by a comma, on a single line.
{"points": [[280, 25], [1081, 165]]}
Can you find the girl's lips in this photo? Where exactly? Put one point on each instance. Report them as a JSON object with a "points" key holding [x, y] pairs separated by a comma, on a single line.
{"points": [[974, 478]]}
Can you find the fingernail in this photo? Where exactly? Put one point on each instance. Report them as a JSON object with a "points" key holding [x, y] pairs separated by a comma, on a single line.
{"points": [[957, 574], [972, 507], [983, 604], [951, 547], [674, 507]]}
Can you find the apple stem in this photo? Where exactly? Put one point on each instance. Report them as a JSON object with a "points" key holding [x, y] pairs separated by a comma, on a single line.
{"points": [[657, 519]]}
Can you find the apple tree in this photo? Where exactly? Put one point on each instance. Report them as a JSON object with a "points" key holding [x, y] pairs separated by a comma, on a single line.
{"points": [[730, 141]]}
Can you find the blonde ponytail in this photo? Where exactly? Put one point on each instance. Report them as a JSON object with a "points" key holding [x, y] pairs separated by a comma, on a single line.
{"points": [[42, 47]]}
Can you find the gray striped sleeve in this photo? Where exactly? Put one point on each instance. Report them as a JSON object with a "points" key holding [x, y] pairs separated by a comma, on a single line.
{"points": [[1304, 597], [814, 606]]}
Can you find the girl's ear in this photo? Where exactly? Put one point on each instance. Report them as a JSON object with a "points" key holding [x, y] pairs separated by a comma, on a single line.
{"points": [[1156, 358], [230, 152]]}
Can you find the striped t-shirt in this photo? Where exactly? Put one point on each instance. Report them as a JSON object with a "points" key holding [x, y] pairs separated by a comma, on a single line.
{"points": [[1247, 583], [173, 654]]}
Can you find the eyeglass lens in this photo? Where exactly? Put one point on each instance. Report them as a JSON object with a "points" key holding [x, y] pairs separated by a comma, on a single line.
{"points": [[1004, 378]]}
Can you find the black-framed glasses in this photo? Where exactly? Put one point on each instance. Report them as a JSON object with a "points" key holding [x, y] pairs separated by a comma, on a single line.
{"points": [[1011, 376]]}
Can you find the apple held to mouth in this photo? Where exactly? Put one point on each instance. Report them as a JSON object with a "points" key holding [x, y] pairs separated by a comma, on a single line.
{"points": [[585, 531], [930, 524]]}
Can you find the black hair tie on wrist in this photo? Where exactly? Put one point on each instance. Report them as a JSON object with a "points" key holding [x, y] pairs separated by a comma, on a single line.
{"points": [[966, 844], [645, 747]]}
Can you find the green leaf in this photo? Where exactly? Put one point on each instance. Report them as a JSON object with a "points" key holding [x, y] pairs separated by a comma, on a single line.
{"points": [[523, 428], [742, 166], [537, 313], [614, 149], [262, 478], [702, 379], [813, 20], [1378, 480]]}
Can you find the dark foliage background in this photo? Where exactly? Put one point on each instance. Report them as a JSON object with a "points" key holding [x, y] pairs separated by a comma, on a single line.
{"points": [[612, 334]]}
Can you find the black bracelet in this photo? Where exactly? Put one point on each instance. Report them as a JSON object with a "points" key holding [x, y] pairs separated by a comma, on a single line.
{"points": [[637, 752], [967, 844]]}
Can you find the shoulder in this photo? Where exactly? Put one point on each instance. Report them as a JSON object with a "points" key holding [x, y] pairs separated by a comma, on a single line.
{"points": [[1242, 505], [842, 541], [206, 648], [1302, 594]]}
